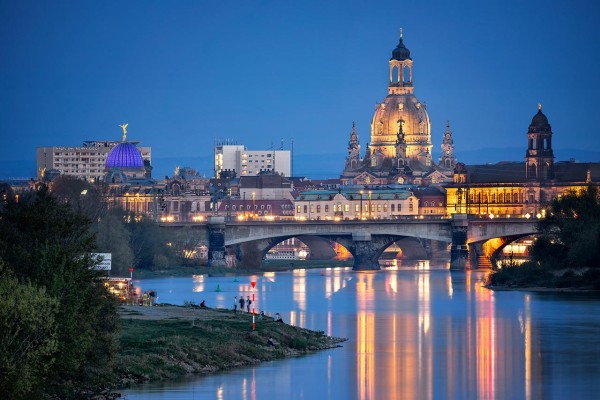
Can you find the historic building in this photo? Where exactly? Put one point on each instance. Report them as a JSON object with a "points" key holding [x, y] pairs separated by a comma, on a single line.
{"points": [[400, 147], [519, 188], [350, 204]]}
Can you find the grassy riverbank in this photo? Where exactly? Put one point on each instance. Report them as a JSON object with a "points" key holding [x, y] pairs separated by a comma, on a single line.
{"points": [[267, 266], [167, 342], [531, 276]]}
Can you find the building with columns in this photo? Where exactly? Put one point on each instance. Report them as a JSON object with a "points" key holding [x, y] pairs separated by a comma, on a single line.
{"points": [[523, 188], [400, 147]]}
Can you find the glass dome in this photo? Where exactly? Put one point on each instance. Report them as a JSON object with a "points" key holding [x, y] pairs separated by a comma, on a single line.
{"points": [[124, 155]]}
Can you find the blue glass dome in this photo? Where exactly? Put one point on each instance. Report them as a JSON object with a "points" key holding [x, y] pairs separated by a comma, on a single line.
{"points": [[124, 155]]}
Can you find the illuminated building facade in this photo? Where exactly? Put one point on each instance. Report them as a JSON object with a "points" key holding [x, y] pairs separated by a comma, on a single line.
{"points": [[400, 147], [519, 188], [356, 204], [244, 162]]}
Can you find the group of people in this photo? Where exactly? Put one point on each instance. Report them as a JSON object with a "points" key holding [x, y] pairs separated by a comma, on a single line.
{"points": [[247, 303], [242, 303]]}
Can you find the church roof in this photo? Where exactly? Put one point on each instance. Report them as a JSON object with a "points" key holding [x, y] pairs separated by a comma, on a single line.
{"points": [[401, 52]]}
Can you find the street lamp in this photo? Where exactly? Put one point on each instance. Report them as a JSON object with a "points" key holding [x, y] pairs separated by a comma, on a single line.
{"points": [[253, 205], [370, 209], [361, 205]]}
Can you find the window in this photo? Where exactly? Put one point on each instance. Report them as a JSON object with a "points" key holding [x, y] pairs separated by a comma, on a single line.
{"points": [[298, 209], [318, 208], [305, 209], [356, 208], [392, 207], [378, 207], [326, 207], [269, 206], [346, 207], [410, 207], [399, 207], [233, 208], [426, 204]]}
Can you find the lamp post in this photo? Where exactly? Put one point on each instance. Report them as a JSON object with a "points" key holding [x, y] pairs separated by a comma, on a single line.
{"points": [[370, 210], [253, 205], [360, 216]]}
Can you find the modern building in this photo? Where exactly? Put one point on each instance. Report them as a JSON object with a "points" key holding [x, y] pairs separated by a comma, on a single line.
{"points": [[523, 188], [400, 147], [86, 162], [246, 162]]}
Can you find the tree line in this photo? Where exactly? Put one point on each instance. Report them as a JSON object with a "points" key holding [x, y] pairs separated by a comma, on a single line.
{"points": [[58, 323]]}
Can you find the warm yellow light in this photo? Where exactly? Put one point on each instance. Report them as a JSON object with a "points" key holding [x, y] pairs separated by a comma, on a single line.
{"points": [[240, 217], [491, 216], [527, 216], [337, 219], [270, 218], [198, 218]]}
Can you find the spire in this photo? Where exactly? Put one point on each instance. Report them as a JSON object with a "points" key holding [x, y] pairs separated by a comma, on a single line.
{"points": [[400, 33], [540, 106]]}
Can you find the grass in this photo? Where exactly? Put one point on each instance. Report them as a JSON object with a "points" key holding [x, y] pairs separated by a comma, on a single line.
{"points": [[531, 275], [172, 348]]}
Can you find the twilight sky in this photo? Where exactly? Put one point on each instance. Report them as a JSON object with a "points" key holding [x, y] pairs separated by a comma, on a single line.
{"points": [[183, 73]]}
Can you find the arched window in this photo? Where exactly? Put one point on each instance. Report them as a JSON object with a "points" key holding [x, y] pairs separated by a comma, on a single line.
{"points": [[392, 207]]}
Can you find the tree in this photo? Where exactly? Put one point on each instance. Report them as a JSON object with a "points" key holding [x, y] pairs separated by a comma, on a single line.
{"points": [[113, 237], [184, 242], [28, 341], [149, 244], [47, 244], [570, 234]]}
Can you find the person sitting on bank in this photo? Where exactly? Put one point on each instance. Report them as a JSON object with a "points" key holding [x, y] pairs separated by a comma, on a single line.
{"points": [[277, 318], [203, 304]]}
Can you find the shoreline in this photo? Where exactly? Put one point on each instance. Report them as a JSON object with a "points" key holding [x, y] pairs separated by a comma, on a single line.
{"points": [[541, 289], [269, 266], [169, 342]]}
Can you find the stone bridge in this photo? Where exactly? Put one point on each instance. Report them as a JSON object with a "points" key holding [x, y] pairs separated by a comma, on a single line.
{"points": [[470, 237]]}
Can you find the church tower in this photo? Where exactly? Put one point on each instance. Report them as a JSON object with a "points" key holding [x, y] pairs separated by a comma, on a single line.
{"points": [[447, 160], [353, 158], [539, 158], [401, 105]]}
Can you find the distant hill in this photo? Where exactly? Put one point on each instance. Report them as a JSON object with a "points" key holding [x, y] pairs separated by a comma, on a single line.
{"points": [[317, 166]]}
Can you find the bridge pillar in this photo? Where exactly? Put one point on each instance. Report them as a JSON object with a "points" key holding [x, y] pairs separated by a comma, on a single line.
{"points": [[216, 241], [459, 250]]}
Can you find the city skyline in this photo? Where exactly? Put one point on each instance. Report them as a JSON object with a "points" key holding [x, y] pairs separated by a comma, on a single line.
{"points": [[183, 74]]}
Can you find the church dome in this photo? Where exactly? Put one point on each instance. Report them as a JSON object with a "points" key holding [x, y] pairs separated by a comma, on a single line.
{"points": [[539, 122], [539, 119], [401, 53], [124, 155], [406, 110]]}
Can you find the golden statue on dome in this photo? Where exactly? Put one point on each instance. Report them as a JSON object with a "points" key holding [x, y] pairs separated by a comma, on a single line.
{"points": [[124, 127]]}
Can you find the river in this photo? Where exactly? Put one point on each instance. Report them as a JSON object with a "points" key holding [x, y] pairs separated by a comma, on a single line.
{"points": [[417, 332]]}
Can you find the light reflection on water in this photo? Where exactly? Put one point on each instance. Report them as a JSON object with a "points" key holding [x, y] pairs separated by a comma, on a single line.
{"points": [[413, 334]]}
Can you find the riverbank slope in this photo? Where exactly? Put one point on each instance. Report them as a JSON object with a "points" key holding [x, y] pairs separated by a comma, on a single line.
{"points": [[167, 342]]}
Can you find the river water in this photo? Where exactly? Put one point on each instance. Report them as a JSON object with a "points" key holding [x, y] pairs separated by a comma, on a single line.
{"points": [[417, 332]]}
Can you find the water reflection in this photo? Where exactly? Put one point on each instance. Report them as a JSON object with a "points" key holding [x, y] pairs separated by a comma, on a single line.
{"points": [[413, 334]]}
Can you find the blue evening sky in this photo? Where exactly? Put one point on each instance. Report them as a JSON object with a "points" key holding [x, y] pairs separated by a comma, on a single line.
{"points": [[183, 73]]}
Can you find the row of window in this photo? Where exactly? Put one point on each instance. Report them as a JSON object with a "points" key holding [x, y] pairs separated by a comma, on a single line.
{"points": [[346, 208], [248, 207], [500, 198]]}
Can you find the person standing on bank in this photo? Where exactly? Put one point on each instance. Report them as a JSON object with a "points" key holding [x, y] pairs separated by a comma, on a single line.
{"points": [[235, 303], [242, 302], [248, 302]]}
